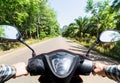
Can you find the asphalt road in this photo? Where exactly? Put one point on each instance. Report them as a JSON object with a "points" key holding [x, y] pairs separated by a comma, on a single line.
{"points": [[23, 54]]}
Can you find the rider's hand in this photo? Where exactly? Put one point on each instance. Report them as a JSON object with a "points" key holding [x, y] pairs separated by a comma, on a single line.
{"points": [[99, 69], [20, 69]]}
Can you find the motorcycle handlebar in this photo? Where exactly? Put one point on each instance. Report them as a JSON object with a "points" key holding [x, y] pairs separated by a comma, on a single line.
{"points": [[85, 67], [35, 67]]}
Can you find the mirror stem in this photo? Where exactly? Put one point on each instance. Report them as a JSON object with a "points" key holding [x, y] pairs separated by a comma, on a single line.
{"points": [[33, 52], [93, 45]]}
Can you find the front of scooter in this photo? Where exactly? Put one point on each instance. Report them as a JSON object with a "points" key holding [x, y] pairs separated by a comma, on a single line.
{"points": [[60, 66]]}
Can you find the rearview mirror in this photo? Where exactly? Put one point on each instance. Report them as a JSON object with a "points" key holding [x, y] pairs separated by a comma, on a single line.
{"points": [[109, 36], [106, 36], [9, 32]]}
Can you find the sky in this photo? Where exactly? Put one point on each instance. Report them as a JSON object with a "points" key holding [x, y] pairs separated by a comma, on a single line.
{"points": [[68, 10]]}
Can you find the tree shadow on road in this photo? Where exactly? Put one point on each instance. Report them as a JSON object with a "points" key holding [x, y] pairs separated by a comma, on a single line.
{"points": [[69, 41], [82, 49], [78, 48], [95, 56]]}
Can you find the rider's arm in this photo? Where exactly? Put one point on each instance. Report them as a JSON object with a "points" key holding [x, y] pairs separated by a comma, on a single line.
{"points": [[13, 71], [6, 72], [113, 72]]}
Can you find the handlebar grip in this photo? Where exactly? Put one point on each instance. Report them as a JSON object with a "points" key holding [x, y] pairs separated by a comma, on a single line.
{"points": [[85, 67], [35, 67]]}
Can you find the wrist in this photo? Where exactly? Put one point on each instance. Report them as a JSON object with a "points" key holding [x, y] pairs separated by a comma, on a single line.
{"points": [[14, 71], [105, 68]]}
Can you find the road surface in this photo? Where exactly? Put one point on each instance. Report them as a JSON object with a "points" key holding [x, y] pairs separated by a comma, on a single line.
{"points": [[23, 54]]}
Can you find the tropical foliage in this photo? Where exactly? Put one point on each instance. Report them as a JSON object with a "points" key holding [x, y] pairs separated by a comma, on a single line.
{"points": [[33, 18], [104, 16]]}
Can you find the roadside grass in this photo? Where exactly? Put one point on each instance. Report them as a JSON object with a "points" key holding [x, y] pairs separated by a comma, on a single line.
{"points": [[28, 41]]}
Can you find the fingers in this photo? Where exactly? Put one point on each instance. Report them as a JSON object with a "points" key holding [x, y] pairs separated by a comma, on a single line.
{"points": [[99, 69]]}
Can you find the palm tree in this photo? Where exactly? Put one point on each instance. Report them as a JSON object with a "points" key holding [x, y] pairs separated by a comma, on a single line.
{"points": [[101, 15], [81, 24]]}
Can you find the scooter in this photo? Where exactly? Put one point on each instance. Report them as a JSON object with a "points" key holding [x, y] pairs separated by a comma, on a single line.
{"points": [[59, 66]]}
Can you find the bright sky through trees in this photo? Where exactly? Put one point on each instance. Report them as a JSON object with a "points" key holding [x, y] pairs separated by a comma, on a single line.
{"points": [[68, 10]]}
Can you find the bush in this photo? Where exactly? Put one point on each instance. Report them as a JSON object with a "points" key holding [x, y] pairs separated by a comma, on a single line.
{"points": [[116, 50], [42, 35]]}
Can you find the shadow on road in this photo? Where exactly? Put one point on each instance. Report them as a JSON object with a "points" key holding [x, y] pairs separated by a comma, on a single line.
{"points": [[95, 56], [82, 49], [69, 41], [79, 48]]}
